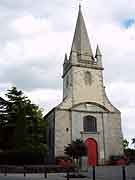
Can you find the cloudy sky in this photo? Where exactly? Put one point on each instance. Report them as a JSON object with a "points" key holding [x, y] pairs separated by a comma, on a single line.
{"points": [[35, 34]]}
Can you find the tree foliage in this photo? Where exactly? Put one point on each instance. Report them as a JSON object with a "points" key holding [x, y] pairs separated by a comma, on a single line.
{"points": [[125, 144], [76, 150], [133, 142], [22, 126]]}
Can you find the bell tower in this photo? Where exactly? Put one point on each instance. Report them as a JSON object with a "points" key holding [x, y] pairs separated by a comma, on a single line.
{"points": [[82, 72]]}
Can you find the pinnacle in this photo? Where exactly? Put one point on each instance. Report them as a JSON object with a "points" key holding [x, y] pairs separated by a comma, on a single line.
{"points": [[98, 52]]}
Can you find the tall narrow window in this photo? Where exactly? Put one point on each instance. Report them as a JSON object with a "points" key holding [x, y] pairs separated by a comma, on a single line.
{"points": [[87, 78], [67, 81], [89, 124]]}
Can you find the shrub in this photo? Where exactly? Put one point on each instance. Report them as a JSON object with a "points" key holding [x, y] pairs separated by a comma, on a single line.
{"points": [[21, 158]]}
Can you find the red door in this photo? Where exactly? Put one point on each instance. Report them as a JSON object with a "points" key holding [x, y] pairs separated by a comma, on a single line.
{"points": [[92, 151]]}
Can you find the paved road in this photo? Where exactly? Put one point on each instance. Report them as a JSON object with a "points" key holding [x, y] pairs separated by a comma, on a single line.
{"points": [[102, 173], [32, 177]]}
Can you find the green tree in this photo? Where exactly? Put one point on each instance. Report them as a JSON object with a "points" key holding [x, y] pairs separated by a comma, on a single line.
{"points": [[3, 115], [76, 150], [22, 123], [125, 144], [133, 142]]}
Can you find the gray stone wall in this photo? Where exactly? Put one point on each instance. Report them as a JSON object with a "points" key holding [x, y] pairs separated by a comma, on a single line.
{"points": [[62, 131], [67, 85], [50, 118], [112, 134]]}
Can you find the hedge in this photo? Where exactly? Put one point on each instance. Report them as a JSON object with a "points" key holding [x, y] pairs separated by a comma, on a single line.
{"points": [[21, 158]]}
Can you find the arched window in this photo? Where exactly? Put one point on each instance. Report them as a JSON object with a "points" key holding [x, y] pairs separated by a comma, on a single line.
{"points": [[88, 78], [89, 124]]}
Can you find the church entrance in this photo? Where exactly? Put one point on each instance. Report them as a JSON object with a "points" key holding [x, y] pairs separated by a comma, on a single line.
{"points": [[92, 151]]}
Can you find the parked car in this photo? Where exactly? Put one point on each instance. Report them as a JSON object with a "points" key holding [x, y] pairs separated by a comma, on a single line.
{"points": [[118, 160]]}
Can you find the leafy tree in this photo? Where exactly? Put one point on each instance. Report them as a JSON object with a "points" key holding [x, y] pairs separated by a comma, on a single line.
{"points": [[22, 123], [2, 121], [133, 142], [76, 150], [125, 144], [130, 154]]}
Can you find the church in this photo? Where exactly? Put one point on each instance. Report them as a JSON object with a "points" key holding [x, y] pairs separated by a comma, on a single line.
{"points": [[85, 111]]}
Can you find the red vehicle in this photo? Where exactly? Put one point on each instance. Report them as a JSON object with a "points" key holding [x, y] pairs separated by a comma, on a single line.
{"points": [[118, 160]]}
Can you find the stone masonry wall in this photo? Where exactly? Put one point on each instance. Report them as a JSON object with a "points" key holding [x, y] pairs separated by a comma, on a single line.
{"points": [[113, 134], [62, 131]]}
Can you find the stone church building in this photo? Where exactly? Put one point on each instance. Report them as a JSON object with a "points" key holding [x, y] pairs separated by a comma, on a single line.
{"points": [[85, 111]]}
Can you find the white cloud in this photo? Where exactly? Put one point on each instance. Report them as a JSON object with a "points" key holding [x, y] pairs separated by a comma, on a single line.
{"points": [[47, 99], [36, 40], [29, 25], [122, 94], [35, 36], [128, 117]]}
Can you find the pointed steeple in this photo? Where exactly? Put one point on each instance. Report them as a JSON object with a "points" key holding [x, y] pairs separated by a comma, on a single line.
{"points": [[66, 63], [66, 59], [81, 43], [98, 57], [98, 52]]}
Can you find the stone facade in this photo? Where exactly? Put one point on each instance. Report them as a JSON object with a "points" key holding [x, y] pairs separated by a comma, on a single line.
{"points": [[84, 95]]}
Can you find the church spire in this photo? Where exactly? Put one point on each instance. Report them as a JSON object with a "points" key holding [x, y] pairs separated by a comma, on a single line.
{"points": [[81, 44], [98, 56]]}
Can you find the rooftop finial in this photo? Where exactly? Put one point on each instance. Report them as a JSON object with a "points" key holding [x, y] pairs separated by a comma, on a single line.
{"points": [[66, 57], [80, 4]]}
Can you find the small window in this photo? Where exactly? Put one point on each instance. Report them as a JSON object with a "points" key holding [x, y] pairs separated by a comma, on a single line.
{"points": [[87, 78], [67, 81], [90, 124]]}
